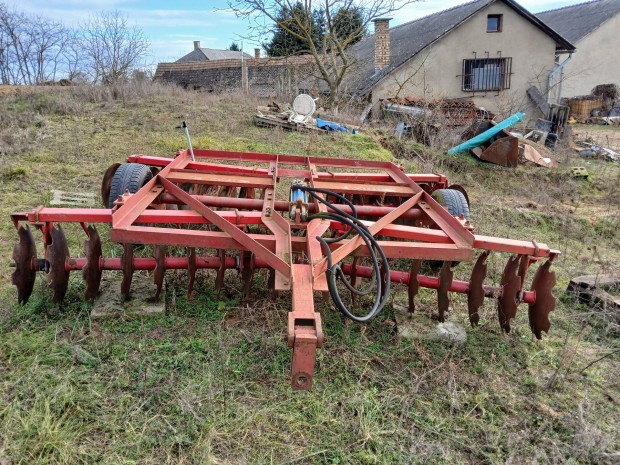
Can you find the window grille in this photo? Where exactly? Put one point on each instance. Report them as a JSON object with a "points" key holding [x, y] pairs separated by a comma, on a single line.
{"points": [[486, 74]]}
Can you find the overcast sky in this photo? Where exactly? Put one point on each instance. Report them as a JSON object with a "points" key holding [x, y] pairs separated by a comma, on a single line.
{"points": [[172, 26]]}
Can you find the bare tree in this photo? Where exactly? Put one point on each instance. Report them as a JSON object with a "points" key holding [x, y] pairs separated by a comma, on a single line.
{"points": [[332, 55], [31, 47], [112, 48]]}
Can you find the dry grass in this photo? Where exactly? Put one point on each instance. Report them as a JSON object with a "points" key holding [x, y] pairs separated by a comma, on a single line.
{"points": [[207, 382]]}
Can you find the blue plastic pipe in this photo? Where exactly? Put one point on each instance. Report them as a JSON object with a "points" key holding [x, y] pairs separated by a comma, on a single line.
{"points": [[486, 135]]}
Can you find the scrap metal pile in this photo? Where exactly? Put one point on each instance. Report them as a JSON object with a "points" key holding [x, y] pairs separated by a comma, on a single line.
{"points": [[339, 223], [451, 112]]}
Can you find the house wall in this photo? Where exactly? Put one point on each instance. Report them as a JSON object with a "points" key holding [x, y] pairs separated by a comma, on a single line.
{"points": [[597, 60], [436, 71]]}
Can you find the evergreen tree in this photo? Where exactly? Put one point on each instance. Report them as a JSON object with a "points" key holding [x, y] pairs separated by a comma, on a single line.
{"points": [[348, 25], [234, 47], [289, 30]]}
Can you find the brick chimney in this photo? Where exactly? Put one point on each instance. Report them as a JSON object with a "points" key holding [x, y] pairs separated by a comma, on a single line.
{"points": [[257, 53], [196, 44], [382, 43]]}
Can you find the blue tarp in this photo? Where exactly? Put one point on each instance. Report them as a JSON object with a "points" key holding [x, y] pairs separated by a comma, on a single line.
{"points": [[331, 126], [486, 135]]}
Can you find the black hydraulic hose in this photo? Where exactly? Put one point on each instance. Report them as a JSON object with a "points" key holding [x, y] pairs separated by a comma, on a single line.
{"points": [[334, 271]]}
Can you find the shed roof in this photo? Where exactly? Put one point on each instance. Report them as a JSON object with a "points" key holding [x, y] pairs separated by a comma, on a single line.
{"points": [[577, 21], [409, 39], [202, 54]]}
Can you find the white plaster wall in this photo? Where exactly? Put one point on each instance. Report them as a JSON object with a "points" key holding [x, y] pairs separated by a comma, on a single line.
{"points": [[436, 71], [597, 60]]}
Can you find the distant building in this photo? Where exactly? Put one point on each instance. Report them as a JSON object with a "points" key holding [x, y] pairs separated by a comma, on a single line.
{"points": [[488, 50], [594, 28], [211, 70], [210, 54]]}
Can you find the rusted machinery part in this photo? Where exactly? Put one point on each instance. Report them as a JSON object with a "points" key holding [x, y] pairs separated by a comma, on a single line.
{"points": [[159, 253], [91, 273], [24, 254], [508, 302], [414, 285], [247, 272], [221, 272], [127, 266], [445, 281], [191, 270], [106, 183], [475, 297], [461, 189], [57, 256], [543, 283]]}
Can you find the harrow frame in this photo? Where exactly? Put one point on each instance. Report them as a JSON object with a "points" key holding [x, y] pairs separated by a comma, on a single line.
{"points": [[398, 208]]}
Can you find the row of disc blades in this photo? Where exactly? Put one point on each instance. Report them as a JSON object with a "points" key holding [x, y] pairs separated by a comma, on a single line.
{"points": [[25, 257]]}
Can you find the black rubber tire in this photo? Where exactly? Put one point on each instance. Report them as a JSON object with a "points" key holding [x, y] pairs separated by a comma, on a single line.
{"points": [[452, 200], [128, 176], [455, 202]]}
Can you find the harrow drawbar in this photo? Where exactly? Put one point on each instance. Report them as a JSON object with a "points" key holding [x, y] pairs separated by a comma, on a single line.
{"points": [[343, 225]]}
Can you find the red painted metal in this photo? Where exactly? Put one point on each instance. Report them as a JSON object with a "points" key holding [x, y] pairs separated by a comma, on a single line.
{"points": [[396, 207]]}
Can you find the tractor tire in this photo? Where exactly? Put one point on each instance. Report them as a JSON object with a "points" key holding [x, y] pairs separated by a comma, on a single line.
{"points": [[452, 200], [128, 176], [455, 202]]}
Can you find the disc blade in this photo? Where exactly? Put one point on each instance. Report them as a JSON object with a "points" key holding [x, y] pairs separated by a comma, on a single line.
{"points": [[57, 255], [127, 266], [413, 286], [443, 297], [475, 297], [24, 254], [543, 284], [508, 302], [191, 270], [91, 273], [159, 253]]}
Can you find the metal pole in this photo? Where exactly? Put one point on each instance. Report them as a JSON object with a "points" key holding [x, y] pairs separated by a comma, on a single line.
{"points": [[189, 141]]}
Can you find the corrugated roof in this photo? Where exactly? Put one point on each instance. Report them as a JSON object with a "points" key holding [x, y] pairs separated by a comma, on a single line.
{"points": [[576, 21], [407, 40], [203, 54]]}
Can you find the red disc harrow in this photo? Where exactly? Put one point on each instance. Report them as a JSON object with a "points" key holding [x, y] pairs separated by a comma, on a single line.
{"points": [[372, 212]]}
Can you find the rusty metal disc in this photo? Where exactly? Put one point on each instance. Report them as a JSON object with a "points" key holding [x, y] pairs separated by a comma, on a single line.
{"points": [[57, 256], [543, 283], [475, 297], [127, 267], [106, 184], [445, 281], [247, 272], [91, 273], [159, 253], [221, 271], [191, 270], [414, 286], [508, 302], [24, 255]]}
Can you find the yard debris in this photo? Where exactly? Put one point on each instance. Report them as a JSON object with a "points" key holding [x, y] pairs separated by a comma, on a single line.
{"points": [[581, 107], [594, 290], [579, 172], [530, 154], [450, 112], [490, 141], [297, 117], [589, 150]]}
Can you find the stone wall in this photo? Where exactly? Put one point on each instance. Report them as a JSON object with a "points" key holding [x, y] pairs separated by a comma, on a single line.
{"points": [[263, 77]]}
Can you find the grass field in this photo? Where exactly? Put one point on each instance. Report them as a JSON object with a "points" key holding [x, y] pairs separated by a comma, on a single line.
{"points": [[207, 383]]}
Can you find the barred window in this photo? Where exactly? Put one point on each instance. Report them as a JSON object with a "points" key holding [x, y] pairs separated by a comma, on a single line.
{"points": [[486, 74]]}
